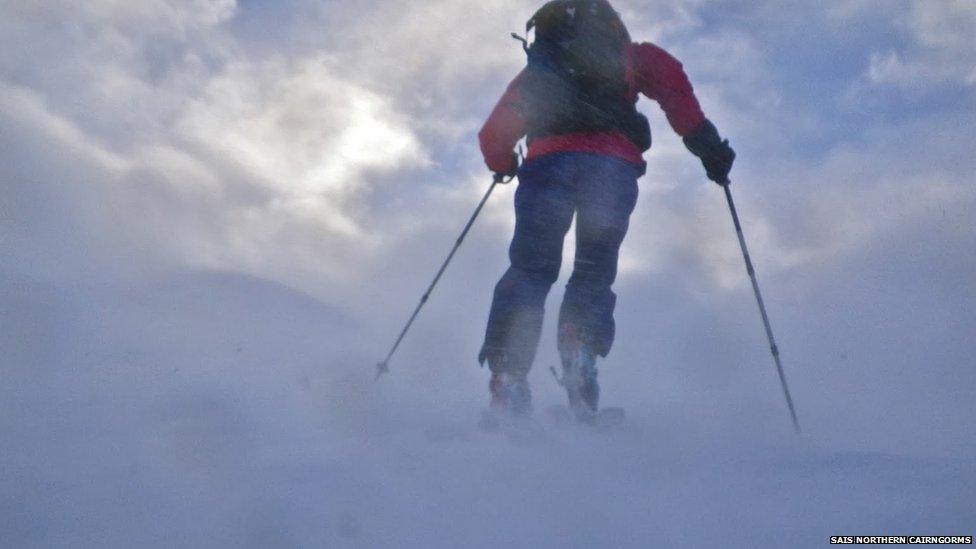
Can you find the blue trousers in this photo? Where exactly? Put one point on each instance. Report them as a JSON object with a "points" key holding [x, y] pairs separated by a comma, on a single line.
{"points": [[601, 191]]}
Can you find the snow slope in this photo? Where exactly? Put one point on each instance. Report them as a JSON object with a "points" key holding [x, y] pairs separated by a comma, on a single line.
{"points": [[223, 411]]}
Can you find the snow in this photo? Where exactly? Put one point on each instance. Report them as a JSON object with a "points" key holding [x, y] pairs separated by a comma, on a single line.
{"points": [[223, 411]]}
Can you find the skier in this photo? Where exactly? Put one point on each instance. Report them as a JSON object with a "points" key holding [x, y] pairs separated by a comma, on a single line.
{"points": [[576, 103]]}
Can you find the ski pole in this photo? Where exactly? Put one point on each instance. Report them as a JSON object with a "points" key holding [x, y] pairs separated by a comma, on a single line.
{"points": [[762, 307], [384, 367]]}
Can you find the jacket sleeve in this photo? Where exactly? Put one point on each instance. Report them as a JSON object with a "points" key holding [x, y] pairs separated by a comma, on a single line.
{"points": [[661, 77], [503, 129]]}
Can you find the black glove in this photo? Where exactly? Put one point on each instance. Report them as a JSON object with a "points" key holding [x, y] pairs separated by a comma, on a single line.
{"points": [[506, 176], [715, 153]]}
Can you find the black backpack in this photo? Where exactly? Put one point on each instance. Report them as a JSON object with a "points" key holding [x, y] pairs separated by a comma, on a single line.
{"points": [[575, 80]]}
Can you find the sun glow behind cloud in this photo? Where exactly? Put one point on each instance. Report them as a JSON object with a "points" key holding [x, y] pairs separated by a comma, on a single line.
{"points": [[305, 135]]}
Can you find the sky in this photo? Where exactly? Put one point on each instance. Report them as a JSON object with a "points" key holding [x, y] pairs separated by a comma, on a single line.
{"points": [[216, 216]]}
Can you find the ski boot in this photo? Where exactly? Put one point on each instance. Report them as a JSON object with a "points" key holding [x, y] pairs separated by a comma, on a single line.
{"points": [[509, 385], [510, 393], [511, 401], [579, 374]]}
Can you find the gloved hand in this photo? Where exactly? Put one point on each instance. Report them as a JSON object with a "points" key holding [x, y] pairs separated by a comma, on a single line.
{"points": [[715, 153], [504, 177]]}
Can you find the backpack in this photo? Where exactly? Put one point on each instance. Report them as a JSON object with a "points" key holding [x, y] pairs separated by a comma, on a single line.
{"points": [[575, 79]]}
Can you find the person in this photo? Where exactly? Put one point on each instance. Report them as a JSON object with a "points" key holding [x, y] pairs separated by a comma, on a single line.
{"points": [[575, 102]]}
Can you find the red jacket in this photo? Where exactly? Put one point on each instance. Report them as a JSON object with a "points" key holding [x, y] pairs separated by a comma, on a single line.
{"points": [[650, 71]]}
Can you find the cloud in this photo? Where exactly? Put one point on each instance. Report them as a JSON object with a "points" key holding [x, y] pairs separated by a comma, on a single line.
{"points": [[238, 152], [948, 25], [304, 134], [272, 162], [174, 15], [917, 74], [26, 109], [307, 164], [942, 51]]}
